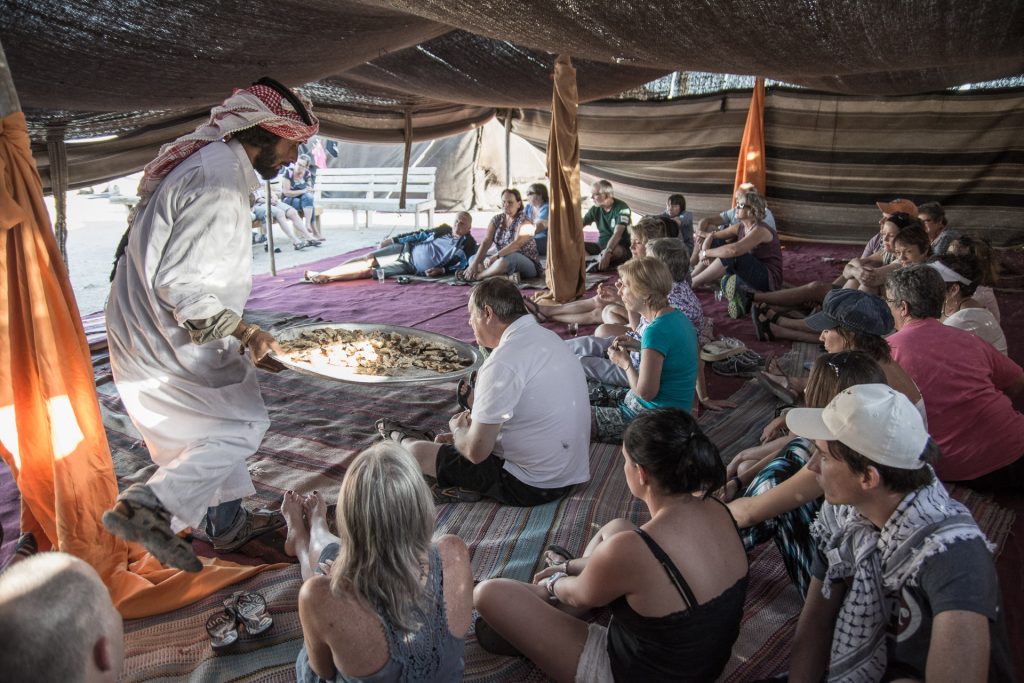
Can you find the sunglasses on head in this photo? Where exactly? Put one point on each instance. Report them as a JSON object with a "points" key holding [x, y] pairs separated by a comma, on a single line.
{"points": [[900, 220], [837, 362]]}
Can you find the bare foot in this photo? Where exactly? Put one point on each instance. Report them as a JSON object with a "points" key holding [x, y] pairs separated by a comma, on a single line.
{"points": [[292, 508], [315, 508]]}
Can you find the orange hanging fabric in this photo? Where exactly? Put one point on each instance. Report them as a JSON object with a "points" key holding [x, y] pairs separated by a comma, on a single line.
{"points": [[750, 168], [51, 431], [566, 278]]}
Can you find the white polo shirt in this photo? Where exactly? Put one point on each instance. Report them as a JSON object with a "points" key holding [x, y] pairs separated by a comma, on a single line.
{"points": [[534, 387]]}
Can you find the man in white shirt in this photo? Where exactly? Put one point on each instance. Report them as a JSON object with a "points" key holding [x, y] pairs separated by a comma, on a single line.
{"points": [[526, 440], [182, 276]]}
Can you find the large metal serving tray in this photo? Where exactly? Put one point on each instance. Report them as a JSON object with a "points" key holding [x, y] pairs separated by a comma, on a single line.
{"points": [[406, 376]]}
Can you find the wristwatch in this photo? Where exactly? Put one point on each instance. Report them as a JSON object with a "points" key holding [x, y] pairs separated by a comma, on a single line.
{"points": [[551, 583], [703, 254]]}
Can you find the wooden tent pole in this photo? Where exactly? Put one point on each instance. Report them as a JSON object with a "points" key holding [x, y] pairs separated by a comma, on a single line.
{"points": [[270, 231], [58, 167], [8, 95], [508, 148], [406, 159]]}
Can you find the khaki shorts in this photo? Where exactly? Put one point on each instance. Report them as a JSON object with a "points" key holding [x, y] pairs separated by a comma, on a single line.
{"points": [[594, 665]]}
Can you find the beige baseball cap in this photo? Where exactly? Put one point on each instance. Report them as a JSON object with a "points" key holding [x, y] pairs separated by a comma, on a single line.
{"points": [[875, 420]]}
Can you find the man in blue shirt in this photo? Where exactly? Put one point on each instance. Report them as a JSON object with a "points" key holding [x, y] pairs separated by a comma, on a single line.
{"points": [[430, 253]]}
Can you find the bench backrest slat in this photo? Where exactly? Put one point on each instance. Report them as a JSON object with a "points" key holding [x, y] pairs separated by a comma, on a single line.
{"points": [[375, 184]]}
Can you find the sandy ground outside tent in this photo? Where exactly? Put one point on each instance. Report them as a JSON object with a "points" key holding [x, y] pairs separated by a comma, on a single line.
{"points": [[95, 226]]}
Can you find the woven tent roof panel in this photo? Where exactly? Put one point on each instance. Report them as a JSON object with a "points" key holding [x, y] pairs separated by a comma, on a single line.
{"points": [[145, 70]]}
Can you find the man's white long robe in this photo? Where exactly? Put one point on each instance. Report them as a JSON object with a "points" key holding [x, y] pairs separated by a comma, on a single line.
{"points": [[198, 407]]}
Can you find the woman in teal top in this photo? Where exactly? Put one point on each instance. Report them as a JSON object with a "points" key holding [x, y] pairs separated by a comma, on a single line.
{"points": [[667, 376]]}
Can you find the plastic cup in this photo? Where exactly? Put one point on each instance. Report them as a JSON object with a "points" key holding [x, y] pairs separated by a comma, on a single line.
{"points": [[379, 274]]}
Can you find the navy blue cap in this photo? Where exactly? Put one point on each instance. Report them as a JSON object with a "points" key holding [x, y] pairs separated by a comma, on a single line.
{"points": [[855, 310]]}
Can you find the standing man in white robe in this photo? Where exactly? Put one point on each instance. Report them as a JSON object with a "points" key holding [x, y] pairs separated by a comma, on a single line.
{"points": [[182, 276]]}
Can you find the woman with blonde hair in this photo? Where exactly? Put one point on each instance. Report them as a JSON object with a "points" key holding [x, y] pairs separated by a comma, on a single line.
{"points": [[406, 601], [746, 255], [606, 307], [668, 351]]}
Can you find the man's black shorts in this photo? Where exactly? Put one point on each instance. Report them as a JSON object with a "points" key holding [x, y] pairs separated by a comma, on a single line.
{"points": [[490, 478]]}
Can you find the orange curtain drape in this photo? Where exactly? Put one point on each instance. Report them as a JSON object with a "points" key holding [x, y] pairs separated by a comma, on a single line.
{"points": [[750, 166], [566, 277], [51, 432]]}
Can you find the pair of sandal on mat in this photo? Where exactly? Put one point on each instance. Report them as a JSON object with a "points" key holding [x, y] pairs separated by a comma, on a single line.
{"points": [[242, 610]]}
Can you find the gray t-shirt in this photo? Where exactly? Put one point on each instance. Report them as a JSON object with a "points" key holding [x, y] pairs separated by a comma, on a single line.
{"points": [[961, 578]]}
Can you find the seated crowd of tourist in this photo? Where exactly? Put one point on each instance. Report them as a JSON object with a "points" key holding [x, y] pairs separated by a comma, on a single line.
{"points": [[846, 483], [915, 389]]}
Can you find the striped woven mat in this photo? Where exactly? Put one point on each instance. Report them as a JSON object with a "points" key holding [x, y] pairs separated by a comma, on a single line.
{"points": [[316, 424]]}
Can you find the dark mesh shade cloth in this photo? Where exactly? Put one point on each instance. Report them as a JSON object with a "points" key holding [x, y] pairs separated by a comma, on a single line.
{"points": [[149, 72]]}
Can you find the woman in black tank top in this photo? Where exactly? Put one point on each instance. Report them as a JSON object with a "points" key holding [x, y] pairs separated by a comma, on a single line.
{"points": [[675, 586]]}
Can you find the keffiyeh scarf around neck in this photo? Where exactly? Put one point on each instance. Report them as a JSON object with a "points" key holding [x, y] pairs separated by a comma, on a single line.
{"points": [[880, 563], [257, 105]]}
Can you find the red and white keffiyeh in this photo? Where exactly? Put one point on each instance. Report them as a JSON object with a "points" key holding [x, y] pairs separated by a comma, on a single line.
{"points": [[257, 105]]}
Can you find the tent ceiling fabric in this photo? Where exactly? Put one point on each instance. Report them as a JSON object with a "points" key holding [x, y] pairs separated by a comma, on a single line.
{"points": [[131, 54], [141, 69], [469, 69], [849, 47]]}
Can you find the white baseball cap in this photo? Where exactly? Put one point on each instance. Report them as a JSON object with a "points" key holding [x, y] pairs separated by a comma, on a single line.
{"points": [[874, 420]]}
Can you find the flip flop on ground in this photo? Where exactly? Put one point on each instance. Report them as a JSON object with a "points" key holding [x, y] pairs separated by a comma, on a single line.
{"points": [[722, 349]]}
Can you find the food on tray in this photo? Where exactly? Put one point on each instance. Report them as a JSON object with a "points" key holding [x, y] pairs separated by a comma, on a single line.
{"points": [[374, 352]]}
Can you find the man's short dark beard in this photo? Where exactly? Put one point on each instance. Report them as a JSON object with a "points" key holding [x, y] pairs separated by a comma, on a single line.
{"points": [[264, 141], [264, 163]]}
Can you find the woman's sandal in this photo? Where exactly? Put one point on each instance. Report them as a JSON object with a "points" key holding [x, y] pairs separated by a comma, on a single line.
{"points": [[534, 308], [464, 393], [777, 389], [555, 549], [250, 609], [386, 428], [763, 325], [223, 630], [463, 277]]}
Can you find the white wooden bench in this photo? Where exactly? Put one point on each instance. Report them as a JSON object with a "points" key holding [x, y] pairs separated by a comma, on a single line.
{"points": [[376, 189]]}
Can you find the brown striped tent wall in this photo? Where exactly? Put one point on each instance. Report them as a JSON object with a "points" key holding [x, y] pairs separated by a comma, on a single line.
{"points": [[829, 157]]}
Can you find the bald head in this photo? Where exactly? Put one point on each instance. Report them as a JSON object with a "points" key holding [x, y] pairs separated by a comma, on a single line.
{"points": [[57, 622]]}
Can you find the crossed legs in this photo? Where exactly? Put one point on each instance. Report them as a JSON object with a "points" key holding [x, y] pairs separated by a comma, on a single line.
{"points": [[520, 612]]}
